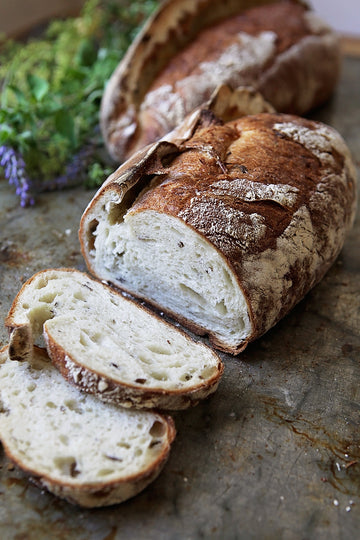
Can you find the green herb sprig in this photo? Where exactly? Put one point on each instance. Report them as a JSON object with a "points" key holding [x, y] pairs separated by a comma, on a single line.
{"points": [[51, 90]]}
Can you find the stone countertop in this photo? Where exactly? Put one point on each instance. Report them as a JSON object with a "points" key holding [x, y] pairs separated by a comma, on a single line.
{"points": [[274, 454]]}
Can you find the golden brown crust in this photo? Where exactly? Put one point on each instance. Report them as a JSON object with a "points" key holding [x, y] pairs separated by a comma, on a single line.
{"points": [[99, 494], [233, 185], [274, 194], [294, 63], [211, 41], [127, 395]]}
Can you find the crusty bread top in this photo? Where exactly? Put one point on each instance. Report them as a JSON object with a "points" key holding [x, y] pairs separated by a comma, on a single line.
{"points": [[274, 193], [257, 169], [254, 185], [188, 48], [210, 42]]}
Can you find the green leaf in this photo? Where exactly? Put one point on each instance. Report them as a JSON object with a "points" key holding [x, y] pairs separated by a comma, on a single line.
{"points": [[65, 125], [20, 96], [6, 133], [87, 53], [25, 136], [38, 87]]}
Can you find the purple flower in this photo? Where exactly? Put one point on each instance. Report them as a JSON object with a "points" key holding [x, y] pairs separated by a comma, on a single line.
{"points": [[74, 171], [15, 172]]}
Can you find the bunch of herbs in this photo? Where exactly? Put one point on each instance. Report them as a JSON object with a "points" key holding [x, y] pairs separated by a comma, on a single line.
{"points": [[51, 89]]}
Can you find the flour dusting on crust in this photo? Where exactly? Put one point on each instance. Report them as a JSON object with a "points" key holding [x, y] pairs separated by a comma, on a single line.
{"points": [[321, 141], [236, 66]]}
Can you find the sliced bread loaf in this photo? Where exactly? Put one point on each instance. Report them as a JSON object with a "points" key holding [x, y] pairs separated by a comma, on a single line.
{"points": [[86, 451], [108, 345], [227, 225]]}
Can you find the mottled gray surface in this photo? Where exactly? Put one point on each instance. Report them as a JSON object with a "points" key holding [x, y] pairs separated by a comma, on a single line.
{"points": [[274, 454]]}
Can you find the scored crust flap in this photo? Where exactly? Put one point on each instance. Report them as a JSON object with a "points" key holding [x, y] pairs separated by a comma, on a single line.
{"points": [[281, 49], [265, 200], [124, 184]]}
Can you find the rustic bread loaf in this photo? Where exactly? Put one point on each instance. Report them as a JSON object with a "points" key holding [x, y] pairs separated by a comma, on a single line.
{"points": [[109, 345], [189, 47], [86, 451], [227, 227]]}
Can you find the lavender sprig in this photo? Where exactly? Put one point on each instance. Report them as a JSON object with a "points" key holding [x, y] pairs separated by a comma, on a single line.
{"points": [[15, 172], [74, 171]]}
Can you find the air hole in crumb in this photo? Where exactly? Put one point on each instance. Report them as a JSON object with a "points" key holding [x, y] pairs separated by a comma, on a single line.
{"points": [[144, 359], [25, 305], [91, 234], [105, 472], [96, 337], [227, 278], [84, 339], [37, 316], [158, 349], [41, 283], [73, 406], [51, 405], [79, 295], [186, 377], [196, 297], [123, 445], [208, 372], [48, 298], [3, 409], [116, 214], [64, 439], [138, 452], [31, 387], [67, 466], [154, 443], [140, 381], [157, 429], [159, 376], [221, 308]]}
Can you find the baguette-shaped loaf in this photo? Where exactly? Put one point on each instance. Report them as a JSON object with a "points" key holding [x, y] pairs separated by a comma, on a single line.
{"points": [[189, 47], [108, 345], [230, 227], [72, 444]]}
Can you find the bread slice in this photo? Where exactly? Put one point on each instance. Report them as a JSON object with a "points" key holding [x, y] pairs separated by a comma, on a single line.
{"points": [[108, 345], [227, 227], [280, 48], [86, 451]]}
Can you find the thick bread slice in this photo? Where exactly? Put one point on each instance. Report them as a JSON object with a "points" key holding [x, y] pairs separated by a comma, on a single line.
{"points": [[189, 47], [108, 345], [233, 226], [86, 451]]}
